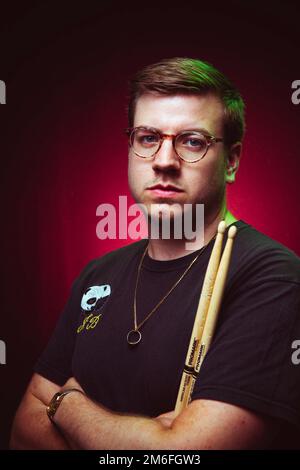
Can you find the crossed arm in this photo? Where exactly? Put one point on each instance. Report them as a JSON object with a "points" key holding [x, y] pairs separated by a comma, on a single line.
{"points": [[81, 423]]}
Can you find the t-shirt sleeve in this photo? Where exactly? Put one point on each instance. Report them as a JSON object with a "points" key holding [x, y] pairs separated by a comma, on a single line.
{"points": [[55, 362], [250, 362]]}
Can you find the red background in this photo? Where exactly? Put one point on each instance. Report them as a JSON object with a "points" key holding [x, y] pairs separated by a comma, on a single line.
{"points": [[63, 151]]}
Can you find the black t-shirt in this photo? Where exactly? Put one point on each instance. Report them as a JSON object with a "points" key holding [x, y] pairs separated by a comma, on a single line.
{"points": [[249, 363]]}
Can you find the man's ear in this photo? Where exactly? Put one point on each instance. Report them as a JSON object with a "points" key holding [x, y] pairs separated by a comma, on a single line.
{"points": [[232, 162]]}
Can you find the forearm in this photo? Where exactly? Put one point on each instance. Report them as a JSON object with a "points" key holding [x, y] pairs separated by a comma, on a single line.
{"points": [[89, 426], [33, 430]]}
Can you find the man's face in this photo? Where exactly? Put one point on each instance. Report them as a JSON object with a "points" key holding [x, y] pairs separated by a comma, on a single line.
{"points": [[199, 182]]}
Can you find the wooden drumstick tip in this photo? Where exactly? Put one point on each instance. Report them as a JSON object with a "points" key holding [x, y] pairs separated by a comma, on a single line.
{"points": [[222, 227], [232, 232]]}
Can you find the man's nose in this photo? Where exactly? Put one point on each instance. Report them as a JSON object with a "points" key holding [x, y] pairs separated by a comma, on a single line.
{"points": [[166, 157]]}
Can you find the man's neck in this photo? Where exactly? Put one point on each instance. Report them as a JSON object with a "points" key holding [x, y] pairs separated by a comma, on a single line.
{"points": [[164, 250]]}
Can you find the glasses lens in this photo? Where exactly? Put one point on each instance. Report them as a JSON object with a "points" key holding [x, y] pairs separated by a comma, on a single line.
{"points": [[191, 146], [145, 142]]}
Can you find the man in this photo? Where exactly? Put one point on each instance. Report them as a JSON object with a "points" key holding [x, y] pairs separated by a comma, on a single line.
{"points": [[119, 348]]}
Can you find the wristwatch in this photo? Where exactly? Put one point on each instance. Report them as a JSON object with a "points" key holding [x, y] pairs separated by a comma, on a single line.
{"points": [[56, 401]]}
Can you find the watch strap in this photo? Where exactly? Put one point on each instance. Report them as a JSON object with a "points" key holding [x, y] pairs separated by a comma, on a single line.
{"points": [[57, 399]]}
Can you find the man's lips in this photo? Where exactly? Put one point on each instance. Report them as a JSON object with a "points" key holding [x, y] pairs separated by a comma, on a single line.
{"points": [[168, 190]]}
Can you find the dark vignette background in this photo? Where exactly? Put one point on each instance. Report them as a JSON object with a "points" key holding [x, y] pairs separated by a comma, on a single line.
{"points": [[63, 153]]}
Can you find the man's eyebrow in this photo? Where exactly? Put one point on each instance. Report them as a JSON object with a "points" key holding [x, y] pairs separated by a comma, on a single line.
{"points": [[202, 130], [199, 129]]}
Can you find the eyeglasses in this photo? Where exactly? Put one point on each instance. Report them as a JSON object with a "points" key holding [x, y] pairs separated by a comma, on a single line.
{"points": [[190, 146]]}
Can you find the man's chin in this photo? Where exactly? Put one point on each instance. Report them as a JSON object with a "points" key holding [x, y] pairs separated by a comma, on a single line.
{"points": [[165, 219], [165, 209], [177, 220]]}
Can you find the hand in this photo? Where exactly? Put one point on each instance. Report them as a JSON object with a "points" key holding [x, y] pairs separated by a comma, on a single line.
{"points": [[166, 419]]}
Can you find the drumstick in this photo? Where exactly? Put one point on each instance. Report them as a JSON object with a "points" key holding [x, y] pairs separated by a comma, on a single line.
{"points": [[200, 318], [207, 324], [214, 306]]}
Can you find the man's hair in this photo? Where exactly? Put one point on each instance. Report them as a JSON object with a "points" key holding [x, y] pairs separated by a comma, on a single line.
{"points": [[193, 77]]}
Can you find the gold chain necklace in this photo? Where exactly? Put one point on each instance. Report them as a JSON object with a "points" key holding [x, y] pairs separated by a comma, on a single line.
{"points": [[134, 336]]}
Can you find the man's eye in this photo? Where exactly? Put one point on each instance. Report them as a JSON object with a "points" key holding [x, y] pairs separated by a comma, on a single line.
{"points": [[148, 139], [193, 142]]}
